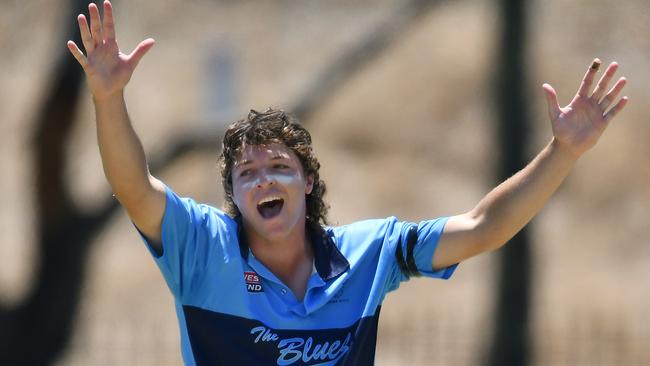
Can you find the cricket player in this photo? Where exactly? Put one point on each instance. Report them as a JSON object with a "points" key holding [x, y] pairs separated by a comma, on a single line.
{"points": [[265, 280]]}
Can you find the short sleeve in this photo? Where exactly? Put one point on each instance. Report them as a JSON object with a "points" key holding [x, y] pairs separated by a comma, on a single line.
{"points": [[190, 233], [428, 236], [415, 245], [408, 249]]}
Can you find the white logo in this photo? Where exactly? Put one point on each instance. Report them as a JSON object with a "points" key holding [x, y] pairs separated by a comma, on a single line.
{"points": [[298, 349]]}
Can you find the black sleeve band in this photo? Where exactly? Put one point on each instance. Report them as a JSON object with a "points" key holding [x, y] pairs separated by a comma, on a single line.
{"points": [[411, 240], [408, 266], [400, 260]]}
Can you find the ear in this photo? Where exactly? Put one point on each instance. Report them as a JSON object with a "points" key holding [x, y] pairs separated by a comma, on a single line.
{"points": [[309, 184]]}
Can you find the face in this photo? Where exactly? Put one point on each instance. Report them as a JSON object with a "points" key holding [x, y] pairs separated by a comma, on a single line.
{"points": [[269, 188]]}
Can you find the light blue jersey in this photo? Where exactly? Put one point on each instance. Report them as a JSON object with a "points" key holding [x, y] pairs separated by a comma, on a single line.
{"points": [[233, 311]]}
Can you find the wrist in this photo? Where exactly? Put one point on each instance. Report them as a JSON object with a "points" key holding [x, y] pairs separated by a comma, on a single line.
{"points": [[108, 105], [564, 151], [109, 98]]}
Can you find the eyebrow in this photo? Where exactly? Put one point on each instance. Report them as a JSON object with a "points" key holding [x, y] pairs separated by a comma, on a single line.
{"points": [[279, 156], [241, 163]]}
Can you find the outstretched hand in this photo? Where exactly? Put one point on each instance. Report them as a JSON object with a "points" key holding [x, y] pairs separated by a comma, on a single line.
{"points": [[578, 126], [108, 70]]}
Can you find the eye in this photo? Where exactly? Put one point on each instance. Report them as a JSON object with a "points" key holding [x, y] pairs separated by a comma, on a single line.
{"points": [[245, 172], [281, 166]]}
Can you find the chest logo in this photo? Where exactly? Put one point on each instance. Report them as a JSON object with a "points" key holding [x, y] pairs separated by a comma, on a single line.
{"points": [[253, 282]]}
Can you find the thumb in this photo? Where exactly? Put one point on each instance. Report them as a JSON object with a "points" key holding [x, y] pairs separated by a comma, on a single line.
{"points": [[551, 100], [140, 50]]}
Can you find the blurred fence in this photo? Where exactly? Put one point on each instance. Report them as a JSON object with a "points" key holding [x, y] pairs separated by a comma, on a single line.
{"points": [[587, 339], [596, 340]]}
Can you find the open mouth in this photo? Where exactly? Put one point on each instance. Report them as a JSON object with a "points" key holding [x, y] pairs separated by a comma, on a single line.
{"points": [[270, 207]]}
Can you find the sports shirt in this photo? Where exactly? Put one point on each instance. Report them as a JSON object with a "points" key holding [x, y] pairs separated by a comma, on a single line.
{"points": [[233, 311]]}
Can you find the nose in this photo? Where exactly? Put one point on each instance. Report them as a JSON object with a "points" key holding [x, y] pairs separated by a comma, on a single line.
{"points": [[264, 180]]}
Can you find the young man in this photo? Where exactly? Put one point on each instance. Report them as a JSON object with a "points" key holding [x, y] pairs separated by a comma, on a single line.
{"points": [[267, 282]]}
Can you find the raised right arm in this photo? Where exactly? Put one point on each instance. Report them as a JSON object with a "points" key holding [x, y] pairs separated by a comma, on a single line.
{"points": [[125, 166]]}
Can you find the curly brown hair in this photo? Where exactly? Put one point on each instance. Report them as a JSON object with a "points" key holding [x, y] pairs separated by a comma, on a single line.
{"points": [[263, 128]]}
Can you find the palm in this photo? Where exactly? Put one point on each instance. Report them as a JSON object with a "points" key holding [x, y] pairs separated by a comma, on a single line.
{"points": [[579, 125], [108, 70]]}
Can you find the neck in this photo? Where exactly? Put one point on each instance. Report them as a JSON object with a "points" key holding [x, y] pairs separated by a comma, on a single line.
{"points": [[290, 258], [285, 252]]}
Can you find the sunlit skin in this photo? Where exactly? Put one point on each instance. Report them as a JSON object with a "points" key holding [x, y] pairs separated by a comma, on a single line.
{"points": [[273, 171], [576, 128]]}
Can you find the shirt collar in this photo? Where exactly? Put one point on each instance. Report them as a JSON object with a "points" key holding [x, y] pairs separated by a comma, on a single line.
{"points": [[328, 259]]}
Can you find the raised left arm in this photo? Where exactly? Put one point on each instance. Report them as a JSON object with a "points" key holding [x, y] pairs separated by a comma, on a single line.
{"points": [[512, 204]]}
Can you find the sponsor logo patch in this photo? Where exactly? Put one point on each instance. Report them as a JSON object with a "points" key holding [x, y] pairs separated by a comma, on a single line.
{"points": [[253, 282]]}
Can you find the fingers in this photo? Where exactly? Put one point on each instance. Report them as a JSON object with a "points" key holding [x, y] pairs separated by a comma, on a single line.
{"points": [[604, 82], [86, 38], [76, 52], [613, 93], [92, 35], [140, 50], [616, 109], [589, 78], [109, 22], [95, 24], [551, 101]]}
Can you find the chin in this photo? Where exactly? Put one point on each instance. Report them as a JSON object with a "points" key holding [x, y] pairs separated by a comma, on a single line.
{"points": [[277, 228]]}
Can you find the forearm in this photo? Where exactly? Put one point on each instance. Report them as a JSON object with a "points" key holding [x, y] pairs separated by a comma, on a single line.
{"points": [[122, 154], [512, 204]]}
